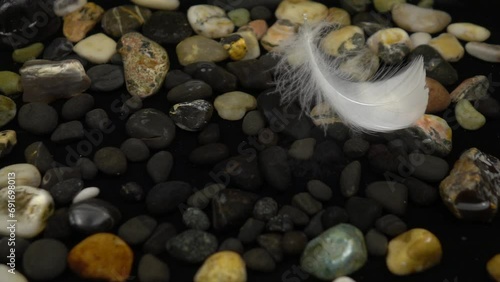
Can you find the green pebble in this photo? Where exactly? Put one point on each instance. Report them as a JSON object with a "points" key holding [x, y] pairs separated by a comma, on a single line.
{"points": [[8, 110], [10, 83], [239, 17], [27, 53], [338, 251], [467, 116]]}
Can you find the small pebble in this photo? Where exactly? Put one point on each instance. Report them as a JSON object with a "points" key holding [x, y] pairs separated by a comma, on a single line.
{"points": [[65, 191], [232, 244], [37, 118], [363, 212], [27, 53], [427, 167], [435, 65], [473, 88], [302, 149], [166, 197], [195, 218], [392, 45], [201, 199], [258, 259], [250, 230], [159, 166], [78, 23], [223, 266], [439, 97], [253, 122], [315, 226], [294, 11], [97, 48], [350, 179], [191, 116], [124, 19], [493, 267], [420, 192], [234, 105], [338, 16], [209, 21], [376, 243], [135, 150], [158, 4], [294, 242], [297, 216], [58, 226], [280, 223], [10, 83], [110, 161], [98, 119], [306, 203], [420, 38], [152, 126], [175, 78], [260, 13], [489, 107], [275, 169], [8, 140], [383, 6], [192, 246], [64, 7], [346, 40], [86, 193], [468, 31], [76, 107], [448, 46], [25, 175], [280, 31], [156, 243], [392, 196], [265, 208], [333, 216], [484, 51], [132, 192], [53, 263], [152, 269], [167, 27], [93, 216], [88, 169], [137, 229], [356, 147], [68, 132], [6, 276], [239, 17], [390, 225], [217, 77], [416, 19], [319, 190], [198, 48], [189, 91], [106, 78]]}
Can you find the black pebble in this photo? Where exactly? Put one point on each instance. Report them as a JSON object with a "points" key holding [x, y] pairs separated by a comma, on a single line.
{"points": [[77, 107], [175, 78], [191, 116], [132, 192], [260, 13], [376, 243], [217, 77], [350, 178], [135, 150], [189, 91], [248, 176], [53, 263], [58, 174], [307, 203], [155, 244], [232, 244], [106, 78], [275, 169], [390, 225], [250, 230], [159, 166], [294, 242], [251, 74], [420, 192], [167, 27], [490, 107], [58, 226], [68, 132], [152, 126], [38, 155], [271, 242], [64, 191], [21, 246], [363, 212], [137, 229], [231, 208], [167, 196], [93, 216], [59, 48], [315, 226], [37, 118], [209, 134], [392, 196], [356, 147], [265, 208], [209, 154], [87, 167], [97, 119], [297, 216], [333, 216], [111, 161], [259, 259]]}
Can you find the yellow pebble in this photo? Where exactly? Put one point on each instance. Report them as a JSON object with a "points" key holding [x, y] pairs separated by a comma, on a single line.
{"points": [[448, 46], [338, 16], [413, 251], [493, 267], [236, 46], [224, 266]]}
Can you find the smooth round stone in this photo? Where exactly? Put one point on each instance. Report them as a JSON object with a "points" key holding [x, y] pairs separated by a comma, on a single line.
{"points": [[298, 217], [448, 46], [239, 17], [265, 208], [234, 105], [272, 243], [156, 243], [64, 191], [37, 118], [209, 134], [468, 31], [217, 77], [390, 225], [484, 51], [53, 263], [338, 251], [260, 260], [222, 266], [135, 150], [250, 230], [414, 19], [315, 226], [58, 48], [439, 97], [350, 179], [124, 19], [277, 33], [376, 243], [159, 166], [106, 78], [467, 116], [428, 168], [333, 216], [195, 218], [392, 196], [192, 246], [275, 169], [258, 28], [295, 11], [189, 91], [356, 147], [232, 244], [419, 38], [10, 83], [420, 192], [6, 276], [253, 123], [102, 256], [25, 175], [294, 242], [363, 212], [199, 48], [209, 154], [158, 4], [76, 107], [209, 21], [88, 169], [137, 229], [319, 190], [306, 203], [64, 7], [27, 53], [93, 216], [110, 161], [68, 132], [191, 116], [85, 194], [175, 78], [97, 48], [21, 246], [97, 119], [132, 192], [201, 199], [167, 196], [302, 149], [151, 126], [414, 251], [152, 269], [167, 27]]}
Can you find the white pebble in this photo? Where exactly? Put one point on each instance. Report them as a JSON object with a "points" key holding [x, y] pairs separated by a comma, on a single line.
{"points": [[234, 105], [97, 48], [210, 21], [420, 38], [296, 12], [64, 7], [484, 51], [158, 4], [413, 18], [5, 275], [86, 193], [344, 279], [469, 31], [19, 175]]}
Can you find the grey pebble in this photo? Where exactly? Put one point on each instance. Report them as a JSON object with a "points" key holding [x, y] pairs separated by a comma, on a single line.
{"points": [[137, 229], [298, 217], [280, 223], [392, 196], [77, 106], [166, 197], [350, 178], [152, 269], [319, 190], [376, 243], [356, 147], [272, 243], [253, 122], [250, 230], [189, 91], [110, 161], [37, 118], [192, 246], [420, 192], [38, 155], [151, 126], [53, 263], [428, 168], [132, 192], [97, 119], [302, 149], [64, 191], [159, 166], [195, 218], [259, 259], [68, 132], [155, 244], [58, 226], [306, 203], [265, 208], [390, 225], [232, 244], [135, 150], [315, 226], [209, 134], [209, 154], [106, 77]]}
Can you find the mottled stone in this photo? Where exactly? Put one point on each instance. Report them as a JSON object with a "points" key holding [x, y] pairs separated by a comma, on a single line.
{"points": [[146, 64], [209, 21], [338, 251], [8, 139], [392, 45], [472, 89], [472, 189], [294, 11], [78, 23], [47, 81], [191, 116], [344, 40], [192, 246], [280, 31], [124, 19]]}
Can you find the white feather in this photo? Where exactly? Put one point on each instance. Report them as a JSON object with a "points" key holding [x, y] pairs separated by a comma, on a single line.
{"points": [[308, 74]]}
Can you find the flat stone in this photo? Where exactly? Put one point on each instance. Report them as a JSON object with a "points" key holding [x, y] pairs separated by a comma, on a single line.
{"points": [[156, 243], [277, 33], [468, 31], [68, 132], [472, 89], [234, 105]]}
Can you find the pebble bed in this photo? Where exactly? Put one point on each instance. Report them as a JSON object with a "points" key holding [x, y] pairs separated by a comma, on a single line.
{"points": [[201, 175]]}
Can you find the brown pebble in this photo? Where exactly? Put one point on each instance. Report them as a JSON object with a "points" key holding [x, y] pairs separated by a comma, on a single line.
{"points": [[78, 23], [439, 97]]}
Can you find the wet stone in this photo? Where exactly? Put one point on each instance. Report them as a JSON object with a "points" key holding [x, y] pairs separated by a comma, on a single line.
{"points": [[333, 216], [250, 230], [167, 27], [191, 116], [192, 246], [124, 19], [156, 243], [93, 216], [68, 132], [37, 118], [166, 197], [106, 78], [363, 212], [132, 192], [159, 166], [195, 218], [189, 91], [209, 154], [64, 191], [151, 126], [77, 107], [135, 150], [275, 169], [137, 229]]}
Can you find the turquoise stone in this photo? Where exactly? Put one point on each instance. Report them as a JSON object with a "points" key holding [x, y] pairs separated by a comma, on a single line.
{"points": [[338, 251]]}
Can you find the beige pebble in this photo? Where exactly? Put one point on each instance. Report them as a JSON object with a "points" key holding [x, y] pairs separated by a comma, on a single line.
{"points": [[343, 40], [439, 97], [158, 4], [8, 139], [413, 18], [344, 279], [468, 31], [198, 49], [383, 6], [323, 114], [296, 12], [209, 21], [97, 48], [467, 116], [234, 105], [390, 44], [338, 16], [280, 31], [224, 266], [252, 43], [420, 38], [484, 51], [5, 275], [448, 46], [493, 267], [414, 251], [24, 174]]}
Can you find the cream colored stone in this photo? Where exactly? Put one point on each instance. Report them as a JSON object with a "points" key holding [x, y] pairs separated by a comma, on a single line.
{"points": [[280, 31], [468, 31], [86, 193], [198, 49], [97, 48], [234, 105], [338, 16], [23, 174], [323, 114], [448, 46], [420, 38], [297, 13], [413, 18], [7, 276], [224, 266], [253, 47], [33, 206], [343, 40], [383, 6], [414, 251], [467, 116], [484, 51], [158, 4], [8, 139], [209, 21]]}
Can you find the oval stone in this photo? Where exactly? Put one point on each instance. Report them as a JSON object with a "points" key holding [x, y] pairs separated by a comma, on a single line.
{"points": [[151, 126]]}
